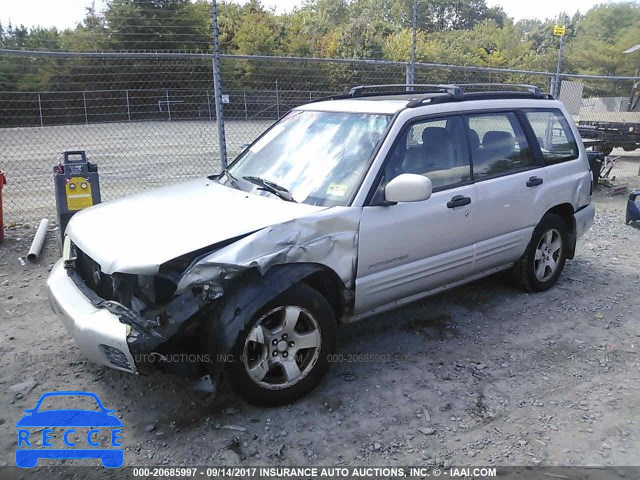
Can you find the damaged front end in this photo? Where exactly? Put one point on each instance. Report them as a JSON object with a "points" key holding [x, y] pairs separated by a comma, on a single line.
{"points": [[150, 307], [187, 314]]}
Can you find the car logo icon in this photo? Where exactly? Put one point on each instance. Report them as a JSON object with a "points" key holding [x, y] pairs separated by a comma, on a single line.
{"points": [[77, 445]]}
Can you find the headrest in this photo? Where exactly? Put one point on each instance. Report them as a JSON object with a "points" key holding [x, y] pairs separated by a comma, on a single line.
{"points": [[502, 143], [435, 135]]}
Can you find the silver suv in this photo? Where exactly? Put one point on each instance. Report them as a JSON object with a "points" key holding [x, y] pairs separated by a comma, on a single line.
{"points": [[344, 208]]}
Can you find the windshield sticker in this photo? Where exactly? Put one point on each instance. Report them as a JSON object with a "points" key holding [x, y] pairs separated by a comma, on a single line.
{"points": [[266, 138], [337, 189]]}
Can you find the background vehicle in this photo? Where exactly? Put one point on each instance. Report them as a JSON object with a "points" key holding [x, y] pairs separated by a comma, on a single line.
{"points": [[620, 129]]}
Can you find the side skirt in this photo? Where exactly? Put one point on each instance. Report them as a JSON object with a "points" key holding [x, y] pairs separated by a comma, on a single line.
{"points": [[428, 293]]}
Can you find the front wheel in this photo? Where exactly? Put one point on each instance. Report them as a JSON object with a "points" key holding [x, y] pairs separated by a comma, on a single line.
{"points": [[283, 351], [544, 259]]}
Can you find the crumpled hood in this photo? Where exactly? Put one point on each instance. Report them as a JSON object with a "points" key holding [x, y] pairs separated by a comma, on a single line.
{"points": [[136, 234]]}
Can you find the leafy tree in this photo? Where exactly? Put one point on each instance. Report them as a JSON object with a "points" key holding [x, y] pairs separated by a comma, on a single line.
{"points": [[258, 33], [156, 25], [90, 35], [461, 32], [444, 15], [601, 37]]}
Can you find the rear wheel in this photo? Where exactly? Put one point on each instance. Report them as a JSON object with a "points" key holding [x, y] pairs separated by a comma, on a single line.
{"points": [[544, 259], [284, 349]]}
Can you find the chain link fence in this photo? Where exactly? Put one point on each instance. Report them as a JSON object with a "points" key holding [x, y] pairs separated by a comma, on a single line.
{"points": [[149, 119]]}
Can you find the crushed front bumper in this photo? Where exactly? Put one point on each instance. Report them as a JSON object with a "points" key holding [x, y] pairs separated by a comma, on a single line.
{"points": [[99, 333]]}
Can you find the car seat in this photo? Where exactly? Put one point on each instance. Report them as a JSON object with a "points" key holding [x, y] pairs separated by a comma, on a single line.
{"points": [[497, 148], [436, 153]]}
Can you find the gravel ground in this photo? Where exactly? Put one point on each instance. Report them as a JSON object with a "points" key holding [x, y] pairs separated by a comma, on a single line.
{"points": [[483, 374]]}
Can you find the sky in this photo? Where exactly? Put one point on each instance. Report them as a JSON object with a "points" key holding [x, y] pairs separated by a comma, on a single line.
{"points": [[66, 13]]}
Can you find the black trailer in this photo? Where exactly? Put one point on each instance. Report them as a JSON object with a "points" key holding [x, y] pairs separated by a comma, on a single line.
{"points": [[607, 135]]}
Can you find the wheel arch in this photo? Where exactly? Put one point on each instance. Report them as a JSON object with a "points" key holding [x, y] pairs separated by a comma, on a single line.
{"points": [[245, 296], [566, 212]]}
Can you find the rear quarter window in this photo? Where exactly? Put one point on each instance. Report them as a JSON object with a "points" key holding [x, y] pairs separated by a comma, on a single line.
{"points": [[556, 140]]}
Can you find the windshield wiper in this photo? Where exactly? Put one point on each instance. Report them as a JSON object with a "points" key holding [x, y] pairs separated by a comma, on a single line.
{"points": [[270, 187], [233, 180]]}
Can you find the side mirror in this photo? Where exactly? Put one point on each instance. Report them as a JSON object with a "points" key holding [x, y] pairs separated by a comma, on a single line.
{"points": [[408, 187]]}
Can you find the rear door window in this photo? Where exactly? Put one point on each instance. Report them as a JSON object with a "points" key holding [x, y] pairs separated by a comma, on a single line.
{"points": [[555, 138], [498, 145]]}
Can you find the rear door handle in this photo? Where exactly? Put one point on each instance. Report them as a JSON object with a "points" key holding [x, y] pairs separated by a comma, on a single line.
{"points": [[458, 201], [534, 181]]}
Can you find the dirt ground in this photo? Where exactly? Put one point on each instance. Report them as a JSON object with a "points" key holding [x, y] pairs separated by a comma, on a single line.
{"points": [[484, 374]]}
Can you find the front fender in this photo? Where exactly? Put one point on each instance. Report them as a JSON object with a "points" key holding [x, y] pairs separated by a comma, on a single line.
{"points": [[328, 237], [240, 304]]}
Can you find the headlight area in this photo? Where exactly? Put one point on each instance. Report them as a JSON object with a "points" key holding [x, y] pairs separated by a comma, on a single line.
{"points": [[152, 290], [168, 334], [162, 323]]}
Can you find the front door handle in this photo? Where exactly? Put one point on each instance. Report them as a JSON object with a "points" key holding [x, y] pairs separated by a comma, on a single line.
{"points": [[458, 201], [534, 181]]}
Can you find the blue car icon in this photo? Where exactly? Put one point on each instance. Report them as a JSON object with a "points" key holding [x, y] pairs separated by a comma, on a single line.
{"points": [[68, 419]]}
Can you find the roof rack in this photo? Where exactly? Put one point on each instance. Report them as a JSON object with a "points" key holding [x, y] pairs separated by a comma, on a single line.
{"points": [[442, 93], [454, 90], [532, 89]]}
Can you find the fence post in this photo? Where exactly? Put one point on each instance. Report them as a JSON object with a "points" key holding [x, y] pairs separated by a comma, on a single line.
{"points": [[557, 78], [246, 113], [128, 107], [40, 110], [411, 68], [556, 85], [277, 99], [217, 86], [409, 76], [168, 105], [209, 104], [84, 103]]}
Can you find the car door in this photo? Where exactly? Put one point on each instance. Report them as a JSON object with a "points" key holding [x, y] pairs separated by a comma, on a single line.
{"points": [[409, 248], [509, 184]]}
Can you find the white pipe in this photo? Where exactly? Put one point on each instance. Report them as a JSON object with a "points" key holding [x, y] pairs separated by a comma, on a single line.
{"points": [[38, 240]]}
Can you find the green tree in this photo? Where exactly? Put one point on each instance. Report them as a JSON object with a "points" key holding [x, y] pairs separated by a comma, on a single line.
{"points": [[156, 25], [258, 33], [443, 15], [600, 38]]}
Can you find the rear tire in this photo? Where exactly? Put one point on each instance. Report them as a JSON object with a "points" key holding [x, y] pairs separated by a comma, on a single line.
{"points": [[283, 352], [544, 259]]}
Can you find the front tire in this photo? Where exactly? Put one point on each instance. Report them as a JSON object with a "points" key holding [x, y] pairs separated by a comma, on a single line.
{"points": [[284, 350], [544, 259]]}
